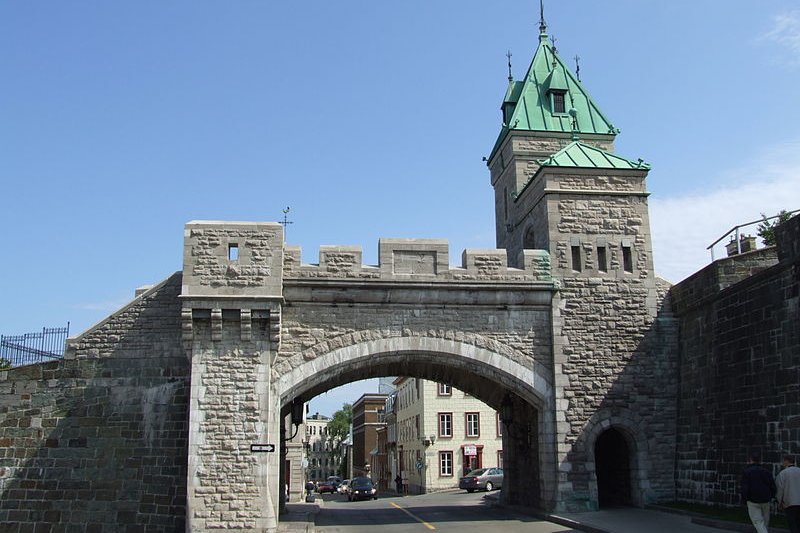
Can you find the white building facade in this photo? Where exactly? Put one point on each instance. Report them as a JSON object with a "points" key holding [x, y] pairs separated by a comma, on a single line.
{"points": [[442, 433], [321, 463]]}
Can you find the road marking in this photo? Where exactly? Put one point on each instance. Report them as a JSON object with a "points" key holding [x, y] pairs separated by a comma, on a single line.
{"points": [[415, 517]]}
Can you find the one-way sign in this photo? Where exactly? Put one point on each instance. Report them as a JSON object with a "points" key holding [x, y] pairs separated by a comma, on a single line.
{"points": [[255, 448]]}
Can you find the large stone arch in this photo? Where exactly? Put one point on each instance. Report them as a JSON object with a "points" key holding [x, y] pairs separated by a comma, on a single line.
{"points": [[362, 360], [487, 374]]}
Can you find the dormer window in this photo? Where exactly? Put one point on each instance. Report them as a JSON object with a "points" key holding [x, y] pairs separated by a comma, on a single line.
{"points": [[559, 101]]}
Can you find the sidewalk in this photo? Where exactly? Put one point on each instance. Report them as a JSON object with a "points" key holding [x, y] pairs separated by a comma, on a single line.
{"points": [[298, 518], [635, 520]]}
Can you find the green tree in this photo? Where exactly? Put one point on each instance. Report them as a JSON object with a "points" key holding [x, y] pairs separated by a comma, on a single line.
{"points": [[338, 431], [766, 230], [5, 364]]}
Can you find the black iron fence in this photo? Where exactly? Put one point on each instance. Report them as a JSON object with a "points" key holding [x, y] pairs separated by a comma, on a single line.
{"points": [[30, 348]]}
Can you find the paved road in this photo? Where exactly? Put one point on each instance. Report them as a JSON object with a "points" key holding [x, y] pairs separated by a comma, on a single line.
{"points": [[446, 512]]}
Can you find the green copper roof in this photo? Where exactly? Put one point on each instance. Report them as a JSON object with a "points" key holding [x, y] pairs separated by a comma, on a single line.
{"points": [[579, 155], [528, 103]]}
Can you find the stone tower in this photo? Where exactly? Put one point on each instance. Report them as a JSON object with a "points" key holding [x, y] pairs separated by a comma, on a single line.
{"points": [[559, 187]]}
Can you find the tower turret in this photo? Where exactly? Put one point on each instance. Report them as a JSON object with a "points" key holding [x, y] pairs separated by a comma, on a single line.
{"points": [[542, 113]]}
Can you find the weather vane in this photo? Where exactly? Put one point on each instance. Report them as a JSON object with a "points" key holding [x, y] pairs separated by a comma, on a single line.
{"points": [[542, 25], [285, 221], [553, 43], [508, 55], [578, 67]]}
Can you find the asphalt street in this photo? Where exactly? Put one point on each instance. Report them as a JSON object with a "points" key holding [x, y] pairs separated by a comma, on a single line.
{"points": [[446, 512]]}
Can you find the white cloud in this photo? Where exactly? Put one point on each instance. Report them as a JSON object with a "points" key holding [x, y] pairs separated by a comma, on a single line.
{"points": [[683, 226], [786, 33]]}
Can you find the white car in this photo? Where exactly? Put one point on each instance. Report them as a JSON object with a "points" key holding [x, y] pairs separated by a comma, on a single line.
{"points": [[342, 489]]}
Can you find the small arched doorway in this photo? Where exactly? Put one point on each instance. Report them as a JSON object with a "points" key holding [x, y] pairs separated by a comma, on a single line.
{"points": [[612, 456]]}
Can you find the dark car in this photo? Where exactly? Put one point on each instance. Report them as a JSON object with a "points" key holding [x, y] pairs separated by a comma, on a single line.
{"points": [[326, 486], [361, 488], [483, 478]]}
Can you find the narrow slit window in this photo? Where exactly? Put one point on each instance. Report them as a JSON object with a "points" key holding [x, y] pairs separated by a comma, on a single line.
{"points": [[602, 260], [627, 259], [233, 252], [576, 258]]}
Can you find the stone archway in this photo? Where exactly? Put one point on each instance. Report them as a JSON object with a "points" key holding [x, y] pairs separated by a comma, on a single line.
{"points": [[617, 453], [613, 459], [492, 377]]}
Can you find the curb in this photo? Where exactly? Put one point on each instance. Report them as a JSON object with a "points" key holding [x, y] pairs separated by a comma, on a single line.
{"points": [[560, 520]]}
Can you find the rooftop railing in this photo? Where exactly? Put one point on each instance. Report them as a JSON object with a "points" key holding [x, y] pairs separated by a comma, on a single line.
{"points": [[737, 235], [31, 348]]}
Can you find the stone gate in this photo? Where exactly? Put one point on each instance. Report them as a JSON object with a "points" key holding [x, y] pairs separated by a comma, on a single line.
{"points": [[151, 416]]}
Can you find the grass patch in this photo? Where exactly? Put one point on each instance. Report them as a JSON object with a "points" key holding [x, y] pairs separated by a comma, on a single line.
{"points": [[731, 514]]}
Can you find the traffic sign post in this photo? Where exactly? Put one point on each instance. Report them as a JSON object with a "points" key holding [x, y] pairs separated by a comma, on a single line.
{"points": [[262, 448]]}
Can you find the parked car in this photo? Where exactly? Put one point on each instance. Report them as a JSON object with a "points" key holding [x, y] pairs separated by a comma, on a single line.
{"points": [[342, 489], [483, 478], [326, 486], [361, 488]]}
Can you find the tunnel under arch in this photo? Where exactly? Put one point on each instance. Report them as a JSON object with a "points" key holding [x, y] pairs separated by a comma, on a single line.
{"points": [[494, 378]]}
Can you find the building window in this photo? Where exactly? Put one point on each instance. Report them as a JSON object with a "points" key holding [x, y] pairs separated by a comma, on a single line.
{"points": [[500, 459], [445, 463], [445, 424], [499, 424], [559, 104], [576, 258], [445, 390], [233, 252], [627, 259], [473, 424], [602, 260]]}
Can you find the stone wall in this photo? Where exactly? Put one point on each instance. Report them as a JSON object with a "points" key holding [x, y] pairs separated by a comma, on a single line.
{"points": [[740, 367], [98, 441], [618, 367]]}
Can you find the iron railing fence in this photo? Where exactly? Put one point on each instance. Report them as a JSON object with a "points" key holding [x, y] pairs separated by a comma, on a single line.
{"points": [[735, 233], [31, 348]]}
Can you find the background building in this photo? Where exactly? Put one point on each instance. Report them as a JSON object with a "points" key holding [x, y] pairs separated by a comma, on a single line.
{"points": [[319, 447], [442, 433], [368, 416]]}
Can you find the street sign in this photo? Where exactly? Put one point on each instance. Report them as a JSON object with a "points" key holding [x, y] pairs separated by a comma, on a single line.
{"points": [[260, 448]]}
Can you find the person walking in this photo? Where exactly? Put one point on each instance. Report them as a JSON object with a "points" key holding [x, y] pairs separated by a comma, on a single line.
{"points": [[398, 483], [788, 494], [758, 488]]}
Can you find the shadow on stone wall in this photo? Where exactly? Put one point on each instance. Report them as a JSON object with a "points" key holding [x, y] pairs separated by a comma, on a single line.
{"points": [[630, 397], [97, 442], [740, 368]]}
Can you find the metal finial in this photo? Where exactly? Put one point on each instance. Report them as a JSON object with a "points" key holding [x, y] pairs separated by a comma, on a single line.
{"points": [[542, 25], [553, 43], [578, 67], [510, 76], [286, 221]]}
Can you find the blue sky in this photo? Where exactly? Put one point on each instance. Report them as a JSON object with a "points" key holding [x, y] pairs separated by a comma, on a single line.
{"points": [[120, 122]]}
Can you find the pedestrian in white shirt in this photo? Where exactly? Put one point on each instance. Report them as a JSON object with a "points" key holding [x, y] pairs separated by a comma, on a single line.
{"points": [[788, 494]]}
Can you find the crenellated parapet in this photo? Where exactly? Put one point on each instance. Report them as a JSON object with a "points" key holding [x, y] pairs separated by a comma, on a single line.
{"points": [[418, 260]]}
